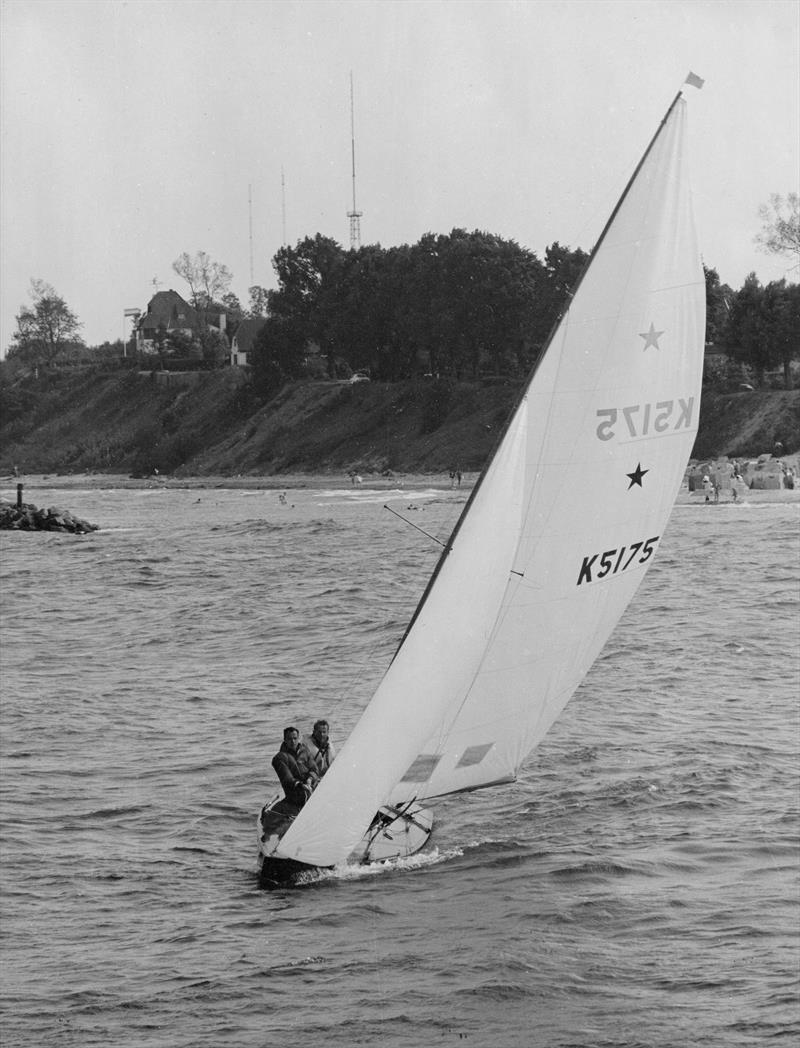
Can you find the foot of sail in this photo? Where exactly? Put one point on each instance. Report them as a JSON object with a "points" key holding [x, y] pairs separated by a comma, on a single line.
{"points": [[395, 833]]}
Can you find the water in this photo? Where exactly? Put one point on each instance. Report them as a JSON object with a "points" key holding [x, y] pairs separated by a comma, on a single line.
{"points": [[637, 886]]}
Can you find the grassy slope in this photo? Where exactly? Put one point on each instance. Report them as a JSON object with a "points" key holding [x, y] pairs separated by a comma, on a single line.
{"points": [[122, 423]]}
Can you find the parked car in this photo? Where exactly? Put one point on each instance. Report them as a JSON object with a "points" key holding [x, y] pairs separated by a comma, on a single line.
{"points": [[359, 377]]}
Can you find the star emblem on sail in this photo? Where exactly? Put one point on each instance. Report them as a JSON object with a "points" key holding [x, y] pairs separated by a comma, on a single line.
{"points": [[651, 337], [636, 476]]}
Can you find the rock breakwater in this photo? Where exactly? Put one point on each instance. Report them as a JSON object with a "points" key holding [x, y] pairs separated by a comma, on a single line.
{"points": [[27, 517]]}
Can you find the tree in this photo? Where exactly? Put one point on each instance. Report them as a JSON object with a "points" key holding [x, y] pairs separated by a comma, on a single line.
{"points": [[259, 297], [277, 355], [466, 303], [782, 325], [764, 326], [46, 328], [232, 308], [308, 284], [207, 280], [780, 233], [718, 299], [745, 330], [363, 326]]}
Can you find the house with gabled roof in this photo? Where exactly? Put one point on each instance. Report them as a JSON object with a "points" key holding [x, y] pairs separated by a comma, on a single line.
{"points": [[244, 337], [168, 313]]}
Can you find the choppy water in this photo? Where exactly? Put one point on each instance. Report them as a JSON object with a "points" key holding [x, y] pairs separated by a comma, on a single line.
{"points": [[637, 886]]}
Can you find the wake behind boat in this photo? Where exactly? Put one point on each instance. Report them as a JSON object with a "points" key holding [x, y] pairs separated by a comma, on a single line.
{"points": [[553, 542]]}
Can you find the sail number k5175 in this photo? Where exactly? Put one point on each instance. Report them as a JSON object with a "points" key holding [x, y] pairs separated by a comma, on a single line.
{"points": [[614, 561], [642, 419]]}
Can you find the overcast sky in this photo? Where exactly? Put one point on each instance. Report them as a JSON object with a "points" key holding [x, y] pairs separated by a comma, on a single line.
{"points": [[132, 130]]}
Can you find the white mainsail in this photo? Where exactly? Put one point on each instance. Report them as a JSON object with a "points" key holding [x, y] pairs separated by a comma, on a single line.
{"points": [[558, 533]]}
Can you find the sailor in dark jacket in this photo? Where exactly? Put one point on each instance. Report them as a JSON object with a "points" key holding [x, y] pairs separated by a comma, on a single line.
{"points": [[296, 768]]}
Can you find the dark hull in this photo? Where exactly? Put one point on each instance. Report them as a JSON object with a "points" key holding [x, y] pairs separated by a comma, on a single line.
{"points": [[283, 873], [394, 833]]}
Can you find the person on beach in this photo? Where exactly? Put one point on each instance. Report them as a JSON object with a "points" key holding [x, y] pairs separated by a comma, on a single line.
{"points": [[295, 768], [320, 746]]}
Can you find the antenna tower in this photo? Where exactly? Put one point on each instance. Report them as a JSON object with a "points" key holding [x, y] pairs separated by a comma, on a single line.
{"points": [[283, 207], [354, 215], [250, 203]]}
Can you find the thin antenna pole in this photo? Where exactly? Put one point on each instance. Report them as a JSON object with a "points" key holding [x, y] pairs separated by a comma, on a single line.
{"points": [[353, 140], [283, 207], [355, 214], [250, 203]]}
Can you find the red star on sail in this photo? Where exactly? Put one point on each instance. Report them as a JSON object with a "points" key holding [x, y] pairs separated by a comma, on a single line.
{"points": [[651, 337]]}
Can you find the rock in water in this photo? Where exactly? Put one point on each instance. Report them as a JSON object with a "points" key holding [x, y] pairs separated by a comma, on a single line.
{"points": [[28, 517]]}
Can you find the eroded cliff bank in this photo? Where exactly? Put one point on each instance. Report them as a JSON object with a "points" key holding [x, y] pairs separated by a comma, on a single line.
{"points": [[211, 424]]}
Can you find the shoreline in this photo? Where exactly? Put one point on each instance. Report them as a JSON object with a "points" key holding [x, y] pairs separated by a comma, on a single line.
{"points": [[288, 482], [32, 483]]}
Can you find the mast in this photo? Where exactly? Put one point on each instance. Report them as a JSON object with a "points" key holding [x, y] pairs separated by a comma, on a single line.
{"points": [[355, 214]]}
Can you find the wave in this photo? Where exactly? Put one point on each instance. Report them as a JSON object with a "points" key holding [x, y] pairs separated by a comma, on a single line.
{"points": [[345, 872], [104, 813], [259, 525]]}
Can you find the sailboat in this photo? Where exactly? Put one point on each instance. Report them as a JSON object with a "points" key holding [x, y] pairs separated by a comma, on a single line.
{"points": [[551, 546]]}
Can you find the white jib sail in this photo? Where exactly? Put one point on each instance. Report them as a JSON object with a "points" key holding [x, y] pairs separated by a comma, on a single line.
{"points": [[557, 536]]}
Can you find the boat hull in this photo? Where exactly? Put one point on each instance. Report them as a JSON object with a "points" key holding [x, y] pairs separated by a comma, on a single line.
{"points": [[394, 833]]}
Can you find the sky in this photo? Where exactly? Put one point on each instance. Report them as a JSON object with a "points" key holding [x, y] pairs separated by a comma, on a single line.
{"points": [[136, 130]]}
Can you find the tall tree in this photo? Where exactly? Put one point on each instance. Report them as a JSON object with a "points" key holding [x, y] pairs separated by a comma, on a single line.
{"points": [[259, 298], [232, 307], [46, 328], [764, 326], [278, 355], [780, 232], [207, 280], [718, 300], [308, 282], [745, 328], [782, 326]]}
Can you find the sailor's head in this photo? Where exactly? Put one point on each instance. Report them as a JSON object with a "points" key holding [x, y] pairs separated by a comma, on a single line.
{"points": [[321, 730], [291, 736]]}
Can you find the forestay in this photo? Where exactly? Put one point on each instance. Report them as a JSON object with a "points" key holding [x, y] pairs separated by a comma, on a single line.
{"points": [[558, 533]]}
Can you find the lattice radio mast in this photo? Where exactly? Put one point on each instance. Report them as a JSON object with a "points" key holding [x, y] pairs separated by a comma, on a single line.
{"points": [[354, 215]]}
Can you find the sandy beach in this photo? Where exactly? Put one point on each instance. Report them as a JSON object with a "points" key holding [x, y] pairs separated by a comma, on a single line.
{"points": [[284, 482], [314, 482]]}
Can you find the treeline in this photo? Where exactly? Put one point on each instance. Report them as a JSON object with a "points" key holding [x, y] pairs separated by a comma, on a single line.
{"points": [[457, 305], [757, 327], [465, 304]]}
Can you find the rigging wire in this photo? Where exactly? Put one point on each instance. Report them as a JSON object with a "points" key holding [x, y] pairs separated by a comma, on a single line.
{"points": [[413, 525]]}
